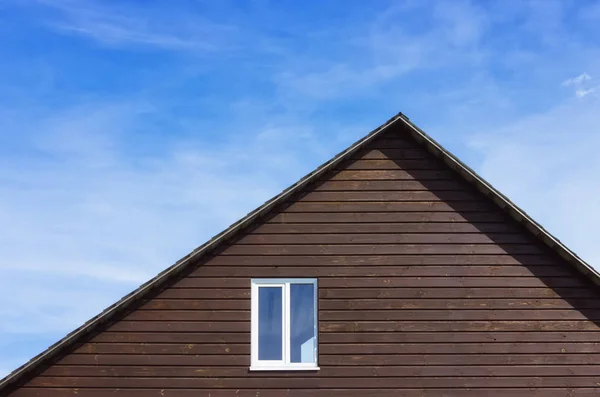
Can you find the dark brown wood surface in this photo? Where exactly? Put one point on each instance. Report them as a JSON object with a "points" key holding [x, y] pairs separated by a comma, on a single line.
{"points": [[425, 290], [315, 392]]}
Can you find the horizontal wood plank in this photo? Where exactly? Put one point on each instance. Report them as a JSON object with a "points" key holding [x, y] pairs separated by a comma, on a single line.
{"points": [[460, 359], [387, 185], [197, 304], [343, 392], [457, 326], [392, 142], [152, 360], [388, 282], [366, 326], [390, 206], [377, 315], [345, 349], [339, 360], [326, 372], [385, 260], [461, 348], [388, 164], [372, 271], [314, 383], [402, 174], [402, 292], [205, 294], [175, 337], [384, 249], [189, 315], [386, 217], [449, 293], [454, 315], [165, 348], [389, 196], [396, 238], [495, 304], [366, 338], [393, 154], [354, 337], [174, 326], [383, 228]]}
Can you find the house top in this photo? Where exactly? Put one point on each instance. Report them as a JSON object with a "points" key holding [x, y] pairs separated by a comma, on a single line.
{"points": [[400, 123]]}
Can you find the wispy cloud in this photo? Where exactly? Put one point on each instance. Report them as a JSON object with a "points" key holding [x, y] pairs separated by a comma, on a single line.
{"points": [[99, 210], [582, 85], [585, 92], [385, 49], [577, 80], [122, 24]]}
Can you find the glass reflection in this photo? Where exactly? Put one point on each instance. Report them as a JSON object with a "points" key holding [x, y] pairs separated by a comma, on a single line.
{"points": [[302, 323], [270, 329]]}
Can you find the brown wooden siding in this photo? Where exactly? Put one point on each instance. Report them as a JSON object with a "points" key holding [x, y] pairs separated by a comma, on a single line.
{"points": [[425, 290]]}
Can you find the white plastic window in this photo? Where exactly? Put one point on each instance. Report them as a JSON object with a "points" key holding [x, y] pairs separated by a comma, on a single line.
{"points": [[284, 324]]}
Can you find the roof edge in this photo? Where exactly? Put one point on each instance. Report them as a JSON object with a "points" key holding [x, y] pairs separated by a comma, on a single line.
{"points": [[166, 275], [502, 201]]}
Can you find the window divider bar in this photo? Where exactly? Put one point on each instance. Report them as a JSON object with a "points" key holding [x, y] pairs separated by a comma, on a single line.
{"points": [[316, 321], [287, 324]]}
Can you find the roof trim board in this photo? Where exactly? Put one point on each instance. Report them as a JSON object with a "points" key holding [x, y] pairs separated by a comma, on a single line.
{"points": [[168, 274]]}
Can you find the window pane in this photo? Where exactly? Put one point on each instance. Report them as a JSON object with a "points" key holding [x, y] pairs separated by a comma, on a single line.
{"points": [[270, 328], [302, 323]]}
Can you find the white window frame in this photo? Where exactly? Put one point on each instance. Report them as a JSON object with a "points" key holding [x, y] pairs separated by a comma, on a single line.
{"points": [[284, 364]]}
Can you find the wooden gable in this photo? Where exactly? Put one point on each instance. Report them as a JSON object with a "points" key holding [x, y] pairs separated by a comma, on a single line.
{"points": [[426, 288]]}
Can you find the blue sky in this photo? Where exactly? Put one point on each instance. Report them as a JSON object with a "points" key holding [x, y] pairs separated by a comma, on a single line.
{"points": [[130, 131]]}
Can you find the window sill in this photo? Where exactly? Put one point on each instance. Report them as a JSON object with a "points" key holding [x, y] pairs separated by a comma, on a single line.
{"points": [[284, 368]]}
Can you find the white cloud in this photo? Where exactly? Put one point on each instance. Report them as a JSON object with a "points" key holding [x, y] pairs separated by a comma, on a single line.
{"points": [[584, 93], [581, 85], [577, 81]]}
